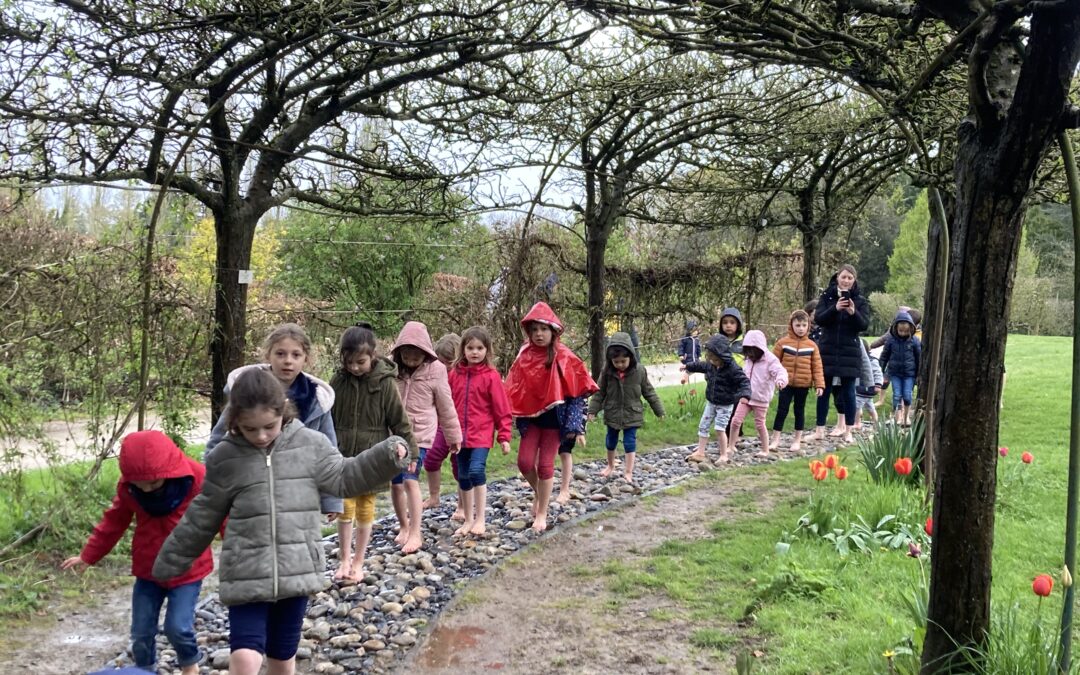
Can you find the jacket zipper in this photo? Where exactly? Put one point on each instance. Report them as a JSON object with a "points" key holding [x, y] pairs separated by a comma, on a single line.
{"points": [[273, 522], [465, 420]]}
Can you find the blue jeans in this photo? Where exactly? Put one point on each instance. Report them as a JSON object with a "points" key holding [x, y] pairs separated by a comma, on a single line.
{"points": [[901, 390], [146, 600], [629, 439], [472, 467], [415, 475]]}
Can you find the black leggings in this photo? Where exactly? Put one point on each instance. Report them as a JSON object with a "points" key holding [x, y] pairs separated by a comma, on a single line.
{"points": [[787, 394], [847, 389]]}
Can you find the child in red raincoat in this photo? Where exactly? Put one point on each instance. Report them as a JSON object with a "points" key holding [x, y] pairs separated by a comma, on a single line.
{"points": [[157, 483], [547, 386]]}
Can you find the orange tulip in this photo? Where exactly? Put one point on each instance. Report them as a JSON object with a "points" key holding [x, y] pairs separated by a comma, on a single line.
{"points": [[841, 472], [815, 464], [831, 461], [903, 466], [821, 473]]}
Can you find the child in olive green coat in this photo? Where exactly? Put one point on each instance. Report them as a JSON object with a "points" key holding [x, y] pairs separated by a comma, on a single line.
{"points": [[623, 383]]}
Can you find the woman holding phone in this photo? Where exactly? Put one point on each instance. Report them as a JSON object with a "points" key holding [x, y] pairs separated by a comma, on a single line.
{"points": [[842, 313]]}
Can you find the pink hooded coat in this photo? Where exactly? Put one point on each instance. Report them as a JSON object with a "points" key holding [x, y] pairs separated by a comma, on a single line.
{"points": [[766, 374], [426, 391]]}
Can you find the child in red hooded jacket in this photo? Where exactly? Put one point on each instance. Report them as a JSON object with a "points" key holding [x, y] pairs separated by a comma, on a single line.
{"points": [[547, 387], [157, 483]]}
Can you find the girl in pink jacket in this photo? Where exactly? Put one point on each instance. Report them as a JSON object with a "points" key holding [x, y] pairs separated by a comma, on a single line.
{"points": [[484, 413], [766, 375], [425, 391]]}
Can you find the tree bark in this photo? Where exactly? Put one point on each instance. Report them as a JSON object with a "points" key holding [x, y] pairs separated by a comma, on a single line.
{"points": [[596, 241], [235, 230], [997, 157]]}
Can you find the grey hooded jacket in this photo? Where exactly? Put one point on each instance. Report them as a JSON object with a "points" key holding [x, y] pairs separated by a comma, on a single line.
{"points": [[272, 547]]}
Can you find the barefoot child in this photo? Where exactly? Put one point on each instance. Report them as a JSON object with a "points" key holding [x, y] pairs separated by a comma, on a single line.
{"points": [[425, 390], [484, 412], [865, 391], [264, 480], [766, 375], [801, 359], [900, 361], [287, 352], [446, 348], [157, 483], [546, 386], [622, 384], [725, 385], [367, 411]]}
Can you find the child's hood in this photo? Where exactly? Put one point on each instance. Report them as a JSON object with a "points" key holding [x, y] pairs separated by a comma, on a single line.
{"points": [[902, 317], [621, 340], [791, 328], [732, 312], [755, 338], [324, 393], [719, 345], [541, 312], [151, 455], [415, 334]]}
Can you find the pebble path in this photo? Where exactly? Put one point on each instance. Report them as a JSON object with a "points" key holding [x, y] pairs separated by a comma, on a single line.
{"points": [[367, 627]]}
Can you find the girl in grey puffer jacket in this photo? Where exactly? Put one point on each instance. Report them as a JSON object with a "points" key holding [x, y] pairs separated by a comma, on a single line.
{"points": [[265, 478]]}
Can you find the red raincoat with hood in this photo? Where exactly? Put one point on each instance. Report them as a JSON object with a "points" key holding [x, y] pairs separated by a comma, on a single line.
{"points": [[531, 385], [148, 456]]}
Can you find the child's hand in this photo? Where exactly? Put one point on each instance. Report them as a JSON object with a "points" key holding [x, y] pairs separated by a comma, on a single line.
{"points": [[411, 468], [819, 391], [401, 451], [682, 366], [455, 448], [331, 517], [581, 440], [877, 390], [76, 563], [684, 379], [505, 445], [592, 417]]}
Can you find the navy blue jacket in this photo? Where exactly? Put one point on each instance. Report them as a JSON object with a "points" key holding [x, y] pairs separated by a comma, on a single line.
{"points": [[689, 349], [901, 356], [839, 342], [726, 384]]}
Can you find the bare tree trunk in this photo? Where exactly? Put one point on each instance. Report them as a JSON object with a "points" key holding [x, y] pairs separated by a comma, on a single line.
{"points": [[596, 240], [228, 345], [985, 242], [811, 240]]}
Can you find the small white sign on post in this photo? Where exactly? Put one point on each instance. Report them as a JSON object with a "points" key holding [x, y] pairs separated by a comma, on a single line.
{"points": [[246, 276]]}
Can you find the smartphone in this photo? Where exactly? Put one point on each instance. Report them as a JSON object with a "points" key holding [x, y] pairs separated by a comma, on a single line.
{"points": [[844, 295]]}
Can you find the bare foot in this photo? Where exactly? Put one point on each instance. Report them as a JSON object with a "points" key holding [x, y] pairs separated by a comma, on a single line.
{"points": [[763, 453], [458, 515], [696, 456], [412, 545], [478, 528], [796, 446], [563, 497], [629, 478], [401, 538], [775, 445], [724, 458], [464, 529], [848, 439], [356, 573], [838, 431], [342, 571], [431, 503], [540, 524], [819, 435], [533, 509], [606, 471]]}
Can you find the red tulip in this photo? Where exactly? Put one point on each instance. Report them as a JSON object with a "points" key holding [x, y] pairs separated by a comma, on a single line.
{"points": [[821, 473], [682, 402], [693, 392], [929, 527], [1003, 451], [1027, 457], [1043, 584], [815, 464], [831, 461], [841, 472], [903, 466]]}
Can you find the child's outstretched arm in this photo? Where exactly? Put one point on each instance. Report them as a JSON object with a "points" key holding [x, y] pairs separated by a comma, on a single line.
{"points": [[196, 530], [697, 367], [504, 420], [397, 421], [363, 474], [114, 523], [778, 373], [596, 401], [649, 392]]}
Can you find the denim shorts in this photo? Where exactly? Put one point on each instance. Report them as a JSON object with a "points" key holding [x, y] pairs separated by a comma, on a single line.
{"points": [[415, 475]]}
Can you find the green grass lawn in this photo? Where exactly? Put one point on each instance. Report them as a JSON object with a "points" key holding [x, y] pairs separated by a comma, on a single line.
{"points": [[811, 610]]}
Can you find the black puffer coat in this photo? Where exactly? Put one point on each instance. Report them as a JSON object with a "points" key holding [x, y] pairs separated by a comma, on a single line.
{"points": [[841, 353], [725, 384]]}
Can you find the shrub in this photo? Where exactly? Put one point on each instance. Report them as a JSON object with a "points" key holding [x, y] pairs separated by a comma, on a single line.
{"points": [[889, 443]]}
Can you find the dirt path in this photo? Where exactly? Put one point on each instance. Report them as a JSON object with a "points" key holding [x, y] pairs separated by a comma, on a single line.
{"points": [[581, 626]]}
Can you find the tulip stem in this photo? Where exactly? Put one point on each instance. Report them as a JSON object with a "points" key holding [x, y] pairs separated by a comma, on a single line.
{"points": [[1074, 422]]}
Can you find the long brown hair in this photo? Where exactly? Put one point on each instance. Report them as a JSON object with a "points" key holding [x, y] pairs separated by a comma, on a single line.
{"points": [[480, 334], [257, 388], [551, 348]]}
